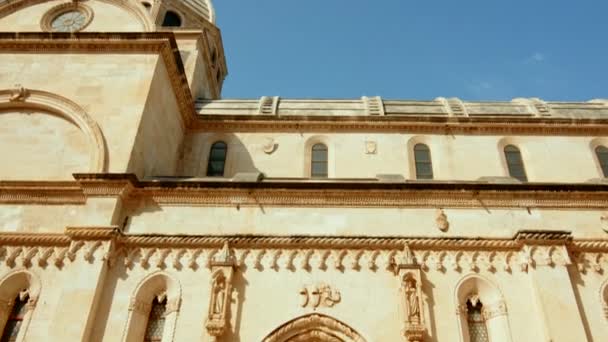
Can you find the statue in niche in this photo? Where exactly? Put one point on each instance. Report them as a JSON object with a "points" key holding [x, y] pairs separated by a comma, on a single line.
{"points": [[412, 301], [219, 293]]}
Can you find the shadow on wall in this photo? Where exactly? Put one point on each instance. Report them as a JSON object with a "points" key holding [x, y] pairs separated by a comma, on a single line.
{"points": [[197, 148]]}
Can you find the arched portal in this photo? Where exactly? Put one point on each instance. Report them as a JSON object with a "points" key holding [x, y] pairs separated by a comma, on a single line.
{"points": [[314, 328]]}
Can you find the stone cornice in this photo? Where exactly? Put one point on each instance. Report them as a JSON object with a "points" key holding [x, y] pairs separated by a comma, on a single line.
{"points": [[109, 244], [414, 123], [310, 194], [162, 43]]}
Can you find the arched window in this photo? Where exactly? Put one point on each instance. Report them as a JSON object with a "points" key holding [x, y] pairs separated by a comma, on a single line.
{"points": [[478, 332], [147, 5], [318, 161], [514, 163], [422, 158], [172, 19], [602, 157], [156, 321], [217, 159]]}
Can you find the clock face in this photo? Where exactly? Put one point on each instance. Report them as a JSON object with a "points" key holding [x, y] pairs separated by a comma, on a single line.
{"points": [[69, 21]]}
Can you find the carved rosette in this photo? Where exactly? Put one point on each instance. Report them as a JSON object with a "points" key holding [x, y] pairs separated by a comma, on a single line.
{"points": [[222, 266]]}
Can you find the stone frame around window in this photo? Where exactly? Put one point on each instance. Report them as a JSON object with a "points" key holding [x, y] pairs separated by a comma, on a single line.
{"points": [[46, 23]]}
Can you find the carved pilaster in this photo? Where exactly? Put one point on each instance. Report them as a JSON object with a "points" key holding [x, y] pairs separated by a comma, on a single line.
{"points": [[222, 266], [411, 295]]}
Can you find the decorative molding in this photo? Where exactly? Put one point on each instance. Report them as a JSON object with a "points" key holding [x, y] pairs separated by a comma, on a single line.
{"points": [[494, 310], [308, 194], [315, 327], [19, 94], [416, 124], [56, 104]]}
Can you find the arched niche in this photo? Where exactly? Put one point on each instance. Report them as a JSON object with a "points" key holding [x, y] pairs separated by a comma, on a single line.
{"points": [[477, 289], [43, 120], [20, 283], [153, 286], [314, 327]]}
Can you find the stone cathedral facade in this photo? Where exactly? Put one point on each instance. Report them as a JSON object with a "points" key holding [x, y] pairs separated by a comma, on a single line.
{"points": [[136, 205]]}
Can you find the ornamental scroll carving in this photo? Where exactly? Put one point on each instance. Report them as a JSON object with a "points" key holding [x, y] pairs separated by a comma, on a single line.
{"points": [[222, 266], [320, 295]]}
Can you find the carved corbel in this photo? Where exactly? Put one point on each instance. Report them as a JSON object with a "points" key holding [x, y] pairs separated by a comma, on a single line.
{"points": [[411, 295], [222, 266]]}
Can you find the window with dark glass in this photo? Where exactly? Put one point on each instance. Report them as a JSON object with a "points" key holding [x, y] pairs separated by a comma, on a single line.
{"points": [[156, 321], [13, 324], [602, 157], [217, 159], [515, 164], [318, 161], [478, 332], [171, 19], [422, 159]]}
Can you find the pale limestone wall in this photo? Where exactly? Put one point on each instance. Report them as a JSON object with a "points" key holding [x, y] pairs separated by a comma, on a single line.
{"points": [[588, 286], [107, 18], [40, 146], [503, 223], [54, 218], [113, 90], [160, 134], [455, 157]]}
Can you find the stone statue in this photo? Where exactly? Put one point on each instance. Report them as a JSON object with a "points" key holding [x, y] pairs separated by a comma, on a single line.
{"points": [[218, 298], [412, 301]]}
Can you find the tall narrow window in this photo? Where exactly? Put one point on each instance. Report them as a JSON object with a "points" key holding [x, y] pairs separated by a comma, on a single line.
{"points": [[602, 157], [515, 163], [13, 324], [217, 159], [156, 321], [422, 158], [478, 331], [318, 161], [171, 19]]}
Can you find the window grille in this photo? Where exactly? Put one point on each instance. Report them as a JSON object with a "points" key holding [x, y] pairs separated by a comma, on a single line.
{"points": [[602, 157], [318, 161], [217, 159], [422, 158], [156, 321], [478, 331], [515, 163]]}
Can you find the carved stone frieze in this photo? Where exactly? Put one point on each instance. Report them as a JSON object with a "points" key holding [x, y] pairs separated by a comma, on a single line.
{"points": [[319, 295]]}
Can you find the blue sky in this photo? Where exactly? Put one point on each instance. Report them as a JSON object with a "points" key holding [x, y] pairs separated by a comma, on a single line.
{"points": [[472, 49]]}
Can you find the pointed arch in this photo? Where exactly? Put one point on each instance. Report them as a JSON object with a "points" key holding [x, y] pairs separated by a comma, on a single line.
{"points": [[314, 327], [158, 287], [18, 285], [478, 296]]}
